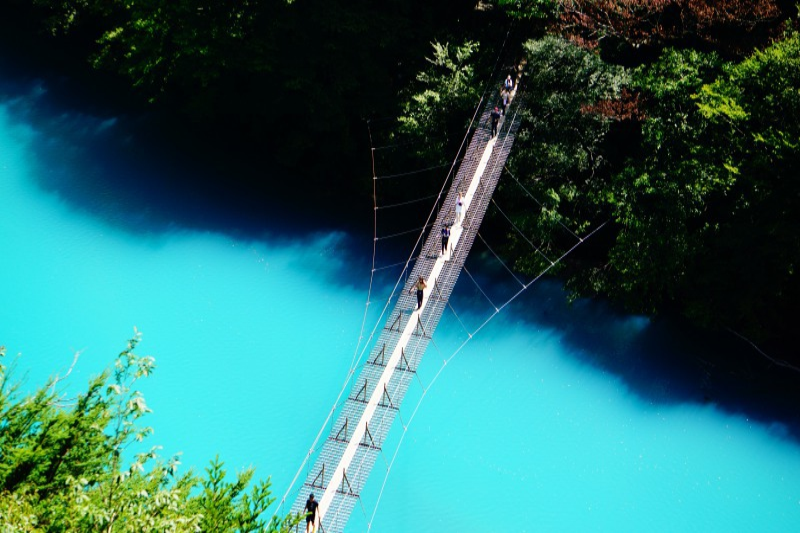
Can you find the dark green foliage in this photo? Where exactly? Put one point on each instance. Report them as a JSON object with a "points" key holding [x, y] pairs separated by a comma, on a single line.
{"points": [[702, 193], [228, 506], [558, 158], [756, 249], [659, 198], [530, 9]]}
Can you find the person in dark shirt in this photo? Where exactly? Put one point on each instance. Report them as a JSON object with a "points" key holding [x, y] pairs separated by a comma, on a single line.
{"points": [[495, 120], [445, 238], [311, 510]]}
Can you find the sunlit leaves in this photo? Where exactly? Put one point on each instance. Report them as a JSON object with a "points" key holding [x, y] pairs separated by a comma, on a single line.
{"points": [[61, 470], [529, 9], [445, 91]]}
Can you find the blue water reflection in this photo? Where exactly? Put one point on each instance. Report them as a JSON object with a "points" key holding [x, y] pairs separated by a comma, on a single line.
{"points": [[555, 417]]}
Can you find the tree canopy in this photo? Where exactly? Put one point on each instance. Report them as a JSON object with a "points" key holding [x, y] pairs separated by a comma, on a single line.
{"points": [[689, 150], [74, 464]]}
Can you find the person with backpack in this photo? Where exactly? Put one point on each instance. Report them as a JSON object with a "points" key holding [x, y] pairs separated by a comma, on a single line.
{"points": [[420, 286]]}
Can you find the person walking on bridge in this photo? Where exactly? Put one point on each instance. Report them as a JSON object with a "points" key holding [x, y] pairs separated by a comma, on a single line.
{"points": [[420, 285], [445, 238], [311, 513], [495, 120]]}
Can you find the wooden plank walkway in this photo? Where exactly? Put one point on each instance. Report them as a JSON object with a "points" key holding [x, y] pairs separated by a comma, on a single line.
{"points": [[354, 443]]}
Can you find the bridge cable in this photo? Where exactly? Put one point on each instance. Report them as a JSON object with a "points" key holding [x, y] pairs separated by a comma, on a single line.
{"points": [[461, 347], [520, 232], [356, 359], [538, 202], [500, 260]]}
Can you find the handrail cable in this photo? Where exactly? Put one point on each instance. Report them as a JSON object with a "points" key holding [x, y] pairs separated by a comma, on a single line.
{"points": [[389, 299], [401, 233], [356, 358], [386, 267]]}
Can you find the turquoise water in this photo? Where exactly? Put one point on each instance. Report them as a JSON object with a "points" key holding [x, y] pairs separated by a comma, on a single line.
{"points": [[546, 421]]}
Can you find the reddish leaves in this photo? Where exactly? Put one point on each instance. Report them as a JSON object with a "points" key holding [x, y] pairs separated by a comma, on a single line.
{"points": [[731, 26], [626, 107]]}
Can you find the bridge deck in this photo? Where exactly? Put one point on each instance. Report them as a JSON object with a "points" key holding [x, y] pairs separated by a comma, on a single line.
{"points": [[357, 435]]}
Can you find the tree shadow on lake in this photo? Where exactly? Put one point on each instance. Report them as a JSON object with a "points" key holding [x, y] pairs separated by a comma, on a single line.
{"points": [[147, 174], [114, 168], [662, 361]]}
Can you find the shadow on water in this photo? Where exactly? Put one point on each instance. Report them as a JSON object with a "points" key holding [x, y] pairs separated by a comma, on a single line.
{"points": [[145, 171], [146, 174], [662, 361], [115, 168]]}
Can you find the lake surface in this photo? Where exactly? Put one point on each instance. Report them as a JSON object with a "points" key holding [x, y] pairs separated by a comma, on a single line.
{"points": [[553, 418]]}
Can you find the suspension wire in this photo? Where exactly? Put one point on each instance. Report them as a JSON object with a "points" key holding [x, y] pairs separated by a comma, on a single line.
{"points": [[464, 268], [434, 209], [500, 260], [418, 171], [395, 394], [393, 265], [398, 145], [402, 144], [460, 348], [521, 233], [538, 202], [773, 360], [401, 233], [408, 202], [351, 371], [418, 243], [412, 255], [464, 326]]}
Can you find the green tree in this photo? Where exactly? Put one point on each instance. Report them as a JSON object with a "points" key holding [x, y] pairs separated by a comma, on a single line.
{"points": [[559, 155], [751, 261], [435, 111], [61, 465], [660, 197]]}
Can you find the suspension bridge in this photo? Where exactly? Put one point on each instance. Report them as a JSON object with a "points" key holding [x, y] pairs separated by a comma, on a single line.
{"points": [[356, 438]]}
